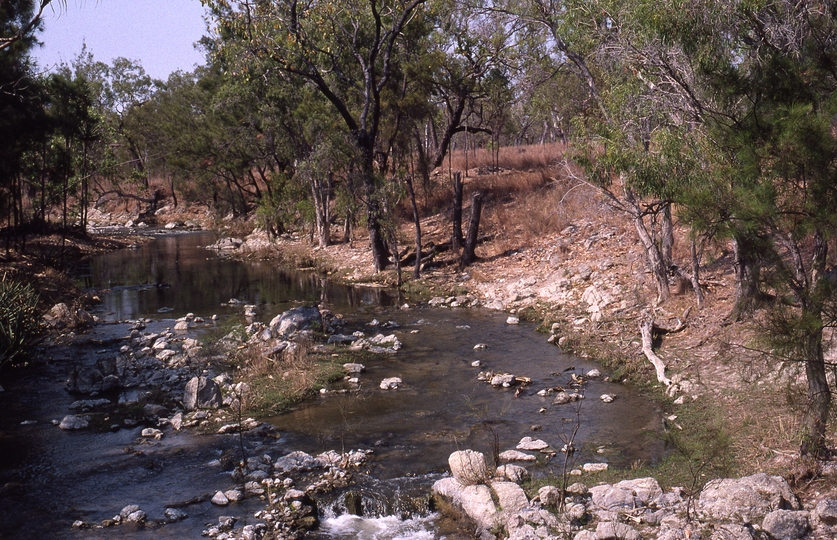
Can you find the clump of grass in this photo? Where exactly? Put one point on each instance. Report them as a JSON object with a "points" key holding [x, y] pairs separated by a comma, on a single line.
{"points": [[19, 318], [224, 327], [278, 383]]}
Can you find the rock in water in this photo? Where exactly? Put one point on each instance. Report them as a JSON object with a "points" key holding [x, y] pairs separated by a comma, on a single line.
{"points": [[527, 443], [202, 393], [295, 320], [391, 383], [72, 421]]}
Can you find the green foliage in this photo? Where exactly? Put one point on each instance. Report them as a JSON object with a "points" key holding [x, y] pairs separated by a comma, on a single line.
{"points": [[19, 318]]}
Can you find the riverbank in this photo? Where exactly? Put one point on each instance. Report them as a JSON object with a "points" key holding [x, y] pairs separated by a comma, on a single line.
{"points": [[589, 288]]}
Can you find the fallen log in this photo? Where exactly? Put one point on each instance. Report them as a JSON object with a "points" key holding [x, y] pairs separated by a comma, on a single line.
{"points": [[646, 328]]}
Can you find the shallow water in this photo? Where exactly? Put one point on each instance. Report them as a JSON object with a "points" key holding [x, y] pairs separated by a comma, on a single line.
{"points": [[51, 478], [442, 407]]}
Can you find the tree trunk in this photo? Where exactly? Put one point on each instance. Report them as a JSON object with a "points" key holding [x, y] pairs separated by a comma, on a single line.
{"points": [[456, 237], [815, 418], [747, 272], [397, 258], [468, 254], [667, 235], [377, 243], [450, 130], [347, 228], [695, 277], [173, 192], [319, 191], [423, 165], [655, 258], [380, 254], [646, 329], [411, 192]]}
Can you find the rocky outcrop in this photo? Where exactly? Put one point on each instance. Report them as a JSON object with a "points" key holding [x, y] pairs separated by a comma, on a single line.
{"points": [[746, 499], [61, 317], [752, 507]]}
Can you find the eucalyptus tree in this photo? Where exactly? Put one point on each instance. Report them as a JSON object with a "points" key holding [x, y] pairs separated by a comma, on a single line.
{"points": [[468, 47], [22, 120], [74, 127], [345, 50]]}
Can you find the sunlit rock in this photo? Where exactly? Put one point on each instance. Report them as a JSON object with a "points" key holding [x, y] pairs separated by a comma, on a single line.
{"points": [[391, 383], [527, 443], [295, 320], [468, 467]]}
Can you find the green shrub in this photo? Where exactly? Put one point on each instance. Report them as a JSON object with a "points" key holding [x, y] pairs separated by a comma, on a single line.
{"points": [[19, 320]]}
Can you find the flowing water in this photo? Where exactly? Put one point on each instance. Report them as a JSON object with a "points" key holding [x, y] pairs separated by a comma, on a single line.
{"points": [[52, 478]]}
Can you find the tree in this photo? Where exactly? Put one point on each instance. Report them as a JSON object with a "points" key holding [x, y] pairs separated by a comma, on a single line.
{"points": [[22, 120], [468, 46], [750, 88], [345, 50], [20, 20]]}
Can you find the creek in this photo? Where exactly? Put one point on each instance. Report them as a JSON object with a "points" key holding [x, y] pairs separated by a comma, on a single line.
{"points": [[51, 478]]}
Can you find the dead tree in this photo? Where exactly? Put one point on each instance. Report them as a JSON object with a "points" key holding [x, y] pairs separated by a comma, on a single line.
{"points": [[648, 329], [456, 237], [468, 254]]}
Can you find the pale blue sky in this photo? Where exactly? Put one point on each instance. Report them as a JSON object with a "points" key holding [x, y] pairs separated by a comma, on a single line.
{"points": [[160, 34]]}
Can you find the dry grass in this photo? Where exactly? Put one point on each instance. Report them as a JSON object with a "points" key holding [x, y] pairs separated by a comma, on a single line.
{"points": [[519, 158], [536, 213], [277, 382], [526, 198]]}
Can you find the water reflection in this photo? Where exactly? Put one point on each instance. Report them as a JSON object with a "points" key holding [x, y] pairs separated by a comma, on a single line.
{"points": [[174, 274]]}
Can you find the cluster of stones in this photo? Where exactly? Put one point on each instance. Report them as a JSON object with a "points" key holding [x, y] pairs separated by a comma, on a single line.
{"points": [[163, 361], [255, 243], [166, 360], [132, 514], [756, 507], [287, 485], [561, 395], [453, 301]]}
